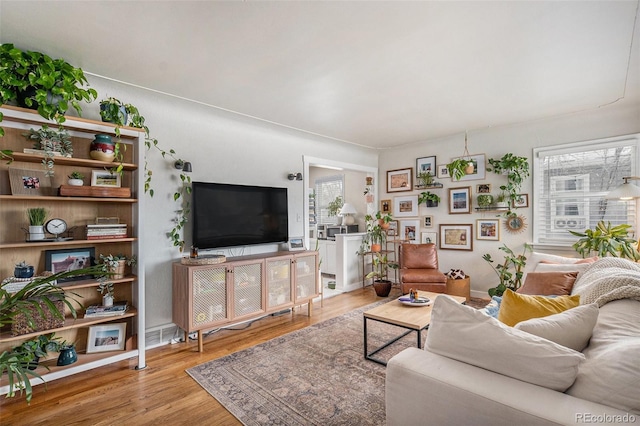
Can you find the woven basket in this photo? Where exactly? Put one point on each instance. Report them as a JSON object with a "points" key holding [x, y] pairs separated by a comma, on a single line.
{"points": [[21, 326]]}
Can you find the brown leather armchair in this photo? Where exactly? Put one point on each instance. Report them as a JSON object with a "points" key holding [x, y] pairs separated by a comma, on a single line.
{"points": [[419, 268]]}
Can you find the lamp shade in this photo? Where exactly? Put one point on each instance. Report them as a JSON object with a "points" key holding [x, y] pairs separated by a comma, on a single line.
{"points": [[347, 209], [626, 191]]}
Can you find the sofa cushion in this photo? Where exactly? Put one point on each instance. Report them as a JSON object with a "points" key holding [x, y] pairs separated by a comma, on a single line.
{"points": [[571, 328], [468, 335], [548, 283], [520, 307], [422, 276], [611, 373], [561, 267]]}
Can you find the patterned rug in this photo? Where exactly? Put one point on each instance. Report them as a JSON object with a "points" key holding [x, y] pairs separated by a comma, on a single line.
{"points": [[314, 376]]}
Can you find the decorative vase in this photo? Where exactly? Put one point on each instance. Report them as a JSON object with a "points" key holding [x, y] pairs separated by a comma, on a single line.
{"points": [[107, 301], [36, 232], [23, 271], [103, 148], [75, 182], [382, 288], [68, 355]]}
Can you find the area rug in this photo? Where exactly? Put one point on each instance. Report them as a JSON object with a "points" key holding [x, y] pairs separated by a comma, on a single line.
{"points": [[313, 376]]}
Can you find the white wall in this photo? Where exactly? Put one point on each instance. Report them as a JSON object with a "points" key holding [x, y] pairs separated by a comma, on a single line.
{"points": [[519, 139], [222, 147]]}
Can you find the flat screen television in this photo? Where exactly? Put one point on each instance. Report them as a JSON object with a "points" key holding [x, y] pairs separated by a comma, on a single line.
{"points": [[226, 215]]}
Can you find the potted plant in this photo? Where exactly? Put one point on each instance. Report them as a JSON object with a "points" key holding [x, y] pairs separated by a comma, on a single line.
{"points": [[425, 179], [68, 354], [105, 288], [32, 350], [510, 271], [607, 240], [75, 178], [35, 299], [429, 199], [374, 236], [114, 264], [51, 143], [460, 167], [380, 274], [383, 220], [485, 200], [335, 206], [37, 81], [23, 270], [502, 200], [37, 217], [517, 170], [113, 110]]}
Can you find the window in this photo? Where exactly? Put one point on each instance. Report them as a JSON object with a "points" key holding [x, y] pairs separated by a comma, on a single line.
{"points": [[570, 183], [327, 189]]}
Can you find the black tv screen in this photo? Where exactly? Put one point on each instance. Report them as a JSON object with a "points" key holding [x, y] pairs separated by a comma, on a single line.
{"points": [[226, 215]]}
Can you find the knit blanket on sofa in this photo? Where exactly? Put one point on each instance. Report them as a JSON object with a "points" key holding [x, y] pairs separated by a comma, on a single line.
{"points": [[608, 279]]}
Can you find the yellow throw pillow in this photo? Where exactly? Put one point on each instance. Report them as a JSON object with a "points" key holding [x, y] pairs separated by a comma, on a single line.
{"points": [[517, 307]]}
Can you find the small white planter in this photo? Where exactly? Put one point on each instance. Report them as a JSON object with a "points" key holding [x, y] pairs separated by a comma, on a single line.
{"points": [[36, 233], [107, 301], [75, 182]]}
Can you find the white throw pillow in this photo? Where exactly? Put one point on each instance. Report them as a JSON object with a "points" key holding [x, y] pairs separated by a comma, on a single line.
{"points": [[571, 328], [468, 335], [564, 267]]}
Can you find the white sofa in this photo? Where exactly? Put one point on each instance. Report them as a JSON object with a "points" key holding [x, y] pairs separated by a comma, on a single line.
{"points": [[426, 388]]}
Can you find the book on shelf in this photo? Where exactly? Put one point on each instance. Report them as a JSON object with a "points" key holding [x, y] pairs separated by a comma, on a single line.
{"points": [[97, 311], [107, 232], [105, 237], [107, 225]]}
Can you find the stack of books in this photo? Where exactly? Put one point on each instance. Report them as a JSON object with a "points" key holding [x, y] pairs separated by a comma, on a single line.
{"points": [[106, 231], [96, 311]]}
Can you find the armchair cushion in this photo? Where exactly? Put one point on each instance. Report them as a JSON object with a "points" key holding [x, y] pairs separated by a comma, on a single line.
{"points": [[418, 256]]}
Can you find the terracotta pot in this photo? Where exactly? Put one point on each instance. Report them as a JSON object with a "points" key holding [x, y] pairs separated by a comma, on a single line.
{"points": [[382, 288], [382, 224], [375, 248]]}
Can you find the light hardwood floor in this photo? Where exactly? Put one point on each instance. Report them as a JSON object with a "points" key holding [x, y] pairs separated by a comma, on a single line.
{"points": [[162, 393]]}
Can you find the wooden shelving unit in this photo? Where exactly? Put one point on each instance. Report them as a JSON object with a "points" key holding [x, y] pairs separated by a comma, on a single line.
{"points": [[77, 212]]}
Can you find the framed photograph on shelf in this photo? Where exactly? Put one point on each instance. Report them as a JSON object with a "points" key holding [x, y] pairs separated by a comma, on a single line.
{"points": [[456, 237], [479, 168], [69, 260], [399, 180], [426, 165], [385, 207], [109, 337], [29, 182], [443, 172], [409, 230], [405, 206], [521, 201], [104, 178], [483, 188], [488, 229], [427, 221], [460, 200], [429, 237]]}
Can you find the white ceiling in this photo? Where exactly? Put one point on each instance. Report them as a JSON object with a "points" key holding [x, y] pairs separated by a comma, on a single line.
{"points": [[377, 74]]}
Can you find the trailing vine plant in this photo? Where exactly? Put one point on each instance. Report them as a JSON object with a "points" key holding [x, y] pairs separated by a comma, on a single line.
{"points": [[112, 110]]}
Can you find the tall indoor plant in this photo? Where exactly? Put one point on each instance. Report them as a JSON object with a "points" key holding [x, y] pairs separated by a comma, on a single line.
{"points": [[509, 272]]}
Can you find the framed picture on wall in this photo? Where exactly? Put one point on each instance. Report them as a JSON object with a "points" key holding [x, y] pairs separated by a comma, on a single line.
{"points": [[427, 221], [385, 207], [399, 180], [405, 206], [456, 237], [429, 237], [443, 172], [409, 230], [460, 200], [426, 165], [521, 201], [479, 168], [488, 229]]}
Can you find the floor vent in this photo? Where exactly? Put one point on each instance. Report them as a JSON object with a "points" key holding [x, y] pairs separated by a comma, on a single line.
{"points": [[160, 336]]}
